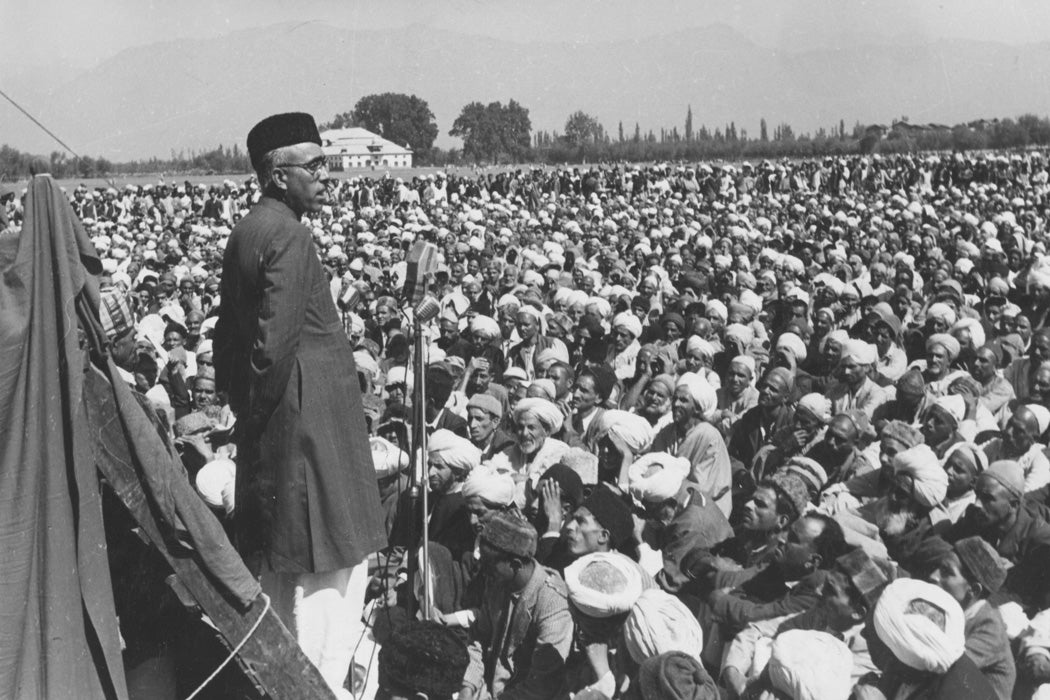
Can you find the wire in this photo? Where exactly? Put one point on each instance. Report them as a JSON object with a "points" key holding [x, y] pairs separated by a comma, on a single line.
{"points": [[236, 649], [37, 122]]}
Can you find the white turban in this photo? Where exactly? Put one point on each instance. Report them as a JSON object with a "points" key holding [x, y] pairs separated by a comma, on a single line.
{"points": [[458, 454], [974, 327], [793, 344], [659, 623], [490, 485], [400, 375], [817, 404], [603, 306], [485, 327], [657, 476], [954, 405], [860, 352], [930, 481], [387, 457], [741, 333], [942, 311], [1042, 416], [364, 361], [700, 389], [698, 344], [545, 412], [216, 483], [626, 321], [508, 300], [719, 308], [634, 430], [745, 361], [811, 665], [917, 641], [603, 584]]}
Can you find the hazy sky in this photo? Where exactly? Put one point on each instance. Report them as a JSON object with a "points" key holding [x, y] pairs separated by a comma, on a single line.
{"points": [[77, 34]]}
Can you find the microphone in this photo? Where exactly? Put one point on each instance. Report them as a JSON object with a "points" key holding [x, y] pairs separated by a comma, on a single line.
{"points": [[427, 309], [422, 264]]}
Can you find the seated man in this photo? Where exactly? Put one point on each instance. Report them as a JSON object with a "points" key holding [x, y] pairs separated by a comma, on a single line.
{"points": [[1021, 442], [602, 523], [970, 572], [916, 639], [484, 413], [1021, 538], [680, 518], [792, 583], [777, 503], [772, 415], [509, 660]]}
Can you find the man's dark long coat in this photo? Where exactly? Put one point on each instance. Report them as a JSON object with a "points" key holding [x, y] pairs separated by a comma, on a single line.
{"points": [[306, 497]]}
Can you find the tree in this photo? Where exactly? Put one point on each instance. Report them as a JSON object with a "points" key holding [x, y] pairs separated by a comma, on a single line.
{"points": [[763, 130], [689, 123], [621, 131], [404, 119], [492, 131], [581, 128]]}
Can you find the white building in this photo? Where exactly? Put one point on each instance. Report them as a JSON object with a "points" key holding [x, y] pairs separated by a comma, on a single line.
{"points": [[359, 149]]}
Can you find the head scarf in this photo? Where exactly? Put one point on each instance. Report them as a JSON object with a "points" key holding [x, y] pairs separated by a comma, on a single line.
{"points": [[719, 308], [696, 344], [627, 321], [491, 486], [913, 638], [657, 476], [948, 342], [659, 623], [811, 665], [860, 352], [974, 327], [972, 453], [700, 390], [809, 470], [386, 457], [794, 345], [954, 405], [548, 414], [603, 584], [633, 429], [485, 327], [747, 362], [929, 480], [943, 312], [458, 454], [818, 405]]}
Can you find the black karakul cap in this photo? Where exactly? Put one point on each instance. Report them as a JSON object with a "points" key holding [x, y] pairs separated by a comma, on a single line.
{"points": [[281, 130]]}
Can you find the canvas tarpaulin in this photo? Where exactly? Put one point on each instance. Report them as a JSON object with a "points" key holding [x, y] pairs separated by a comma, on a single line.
{"points": [[58, 629]]}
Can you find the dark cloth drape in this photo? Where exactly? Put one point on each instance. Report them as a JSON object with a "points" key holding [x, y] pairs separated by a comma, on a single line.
{"points": [[58, 628]]}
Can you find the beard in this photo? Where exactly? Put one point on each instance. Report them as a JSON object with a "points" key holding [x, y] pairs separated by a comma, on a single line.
{"points": [[893, 522]]}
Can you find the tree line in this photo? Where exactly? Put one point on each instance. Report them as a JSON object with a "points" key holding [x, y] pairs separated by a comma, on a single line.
{"points": [[498, 133]]}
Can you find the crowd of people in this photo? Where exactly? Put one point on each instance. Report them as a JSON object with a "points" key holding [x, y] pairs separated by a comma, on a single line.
{"points": [[767, 430]]}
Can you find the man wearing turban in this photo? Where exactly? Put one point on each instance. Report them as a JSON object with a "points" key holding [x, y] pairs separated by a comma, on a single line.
{"points": [[681, 516], [1022, 442], [771, 416], [451, 459], [534, 450], [855, 388], [921, 628], [692, 437], [626, 329]]}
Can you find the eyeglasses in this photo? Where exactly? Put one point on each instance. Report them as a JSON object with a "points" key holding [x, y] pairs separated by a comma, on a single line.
{"points": [[314, 167]]}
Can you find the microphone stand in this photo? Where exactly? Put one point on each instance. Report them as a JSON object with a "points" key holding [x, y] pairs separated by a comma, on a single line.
{"points": [[419, 493]]}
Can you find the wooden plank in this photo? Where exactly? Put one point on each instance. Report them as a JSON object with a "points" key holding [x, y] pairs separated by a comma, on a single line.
{"points": [[271, 657]]}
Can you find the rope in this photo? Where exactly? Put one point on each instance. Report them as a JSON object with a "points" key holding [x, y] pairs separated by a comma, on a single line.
{"points": [[37, 122], [236, 649]]}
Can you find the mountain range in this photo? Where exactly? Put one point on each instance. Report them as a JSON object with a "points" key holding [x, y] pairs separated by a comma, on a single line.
{"points": [[196, 94]]}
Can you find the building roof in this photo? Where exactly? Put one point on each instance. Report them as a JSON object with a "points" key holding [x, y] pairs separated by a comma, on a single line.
{"points": [[358, 140]]}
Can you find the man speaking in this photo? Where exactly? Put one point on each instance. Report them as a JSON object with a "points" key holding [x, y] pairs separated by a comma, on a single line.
{"points": [[307, 511]]}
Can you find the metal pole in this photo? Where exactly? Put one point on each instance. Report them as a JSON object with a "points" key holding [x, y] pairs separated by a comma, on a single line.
{"points": [[423, 467]]}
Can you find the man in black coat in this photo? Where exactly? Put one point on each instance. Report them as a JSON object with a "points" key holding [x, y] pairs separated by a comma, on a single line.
{"points": [[307, 511]]}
